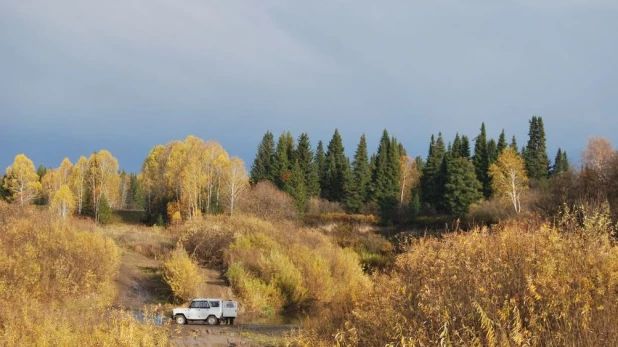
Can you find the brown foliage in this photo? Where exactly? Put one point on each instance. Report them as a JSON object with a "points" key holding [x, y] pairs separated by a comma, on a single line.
{"points": [[517, 286], [265, 201], [56, 284]]}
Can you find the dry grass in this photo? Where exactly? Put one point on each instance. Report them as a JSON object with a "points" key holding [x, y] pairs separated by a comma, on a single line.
{"points": [[56, 284], [520, 285]]}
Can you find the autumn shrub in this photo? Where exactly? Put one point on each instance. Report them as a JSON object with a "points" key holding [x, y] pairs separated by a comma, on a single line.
{"points": [[279, 268], [207, 238], [514, 286], [490, 211], [321, 206], [181, 274], [265, 201], [57, 284]]}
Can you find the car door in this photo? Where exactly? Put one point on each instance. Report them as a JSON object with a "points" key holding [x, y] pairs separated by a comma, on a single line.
{"points": [[198, 310], [194, 310], [204, 310]]}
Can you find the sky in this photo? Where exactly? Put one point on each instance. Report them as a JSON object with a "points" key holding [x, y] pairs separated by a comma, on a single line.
{"points": [[80, 76]]}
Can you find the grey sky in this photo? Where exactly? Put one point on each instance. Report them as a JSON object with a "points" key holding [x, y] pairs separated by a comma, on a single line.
{"points": [[79, 76]]}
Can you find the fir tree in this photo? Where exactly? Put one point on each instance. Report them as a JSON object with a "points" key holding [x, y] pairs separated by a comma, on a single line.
{"points": [[561, 163], [465, 147], [337, 170], [431, 188], [456, 148], [304, 155], [513, 144], [361, 178], [296, 187], [501, 142], [461, 187], [492, 151], [481, 161], [535, 154], [262, 168], [320, 165], [282, 164]]}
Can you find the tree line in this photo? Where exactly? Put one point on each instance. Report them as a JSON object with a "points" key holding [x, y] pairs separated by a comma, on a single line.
{"points": [[184, 179], [391, 183], [179, 180]]}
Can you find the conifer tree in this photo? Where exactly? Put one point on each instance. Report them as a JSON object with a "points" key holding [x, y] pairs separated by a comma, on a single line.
{"points": [[361, 178], [461, 187], [262, 168], [465, 147], [513, 144], [456, 148], [535, 154], [296, 187], [337, 170], [481, 161], [492, 151], [501, 142], [381, 175], [281, 163], [320, 165], [561, 163], [431, 188], [304, 155]]}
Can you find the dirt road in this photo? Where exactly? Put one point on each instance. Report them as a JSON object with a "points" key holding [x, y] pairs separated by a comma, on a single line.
{"points": [[200, 334]]}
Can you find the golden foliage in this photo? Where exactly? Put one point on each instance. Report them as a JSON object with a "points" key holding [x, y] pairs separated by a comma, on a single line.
{"points": [[291, 268], [508, 177], [22, 180], [181, 273], [56, 284], [63, 202], [517, 286]]}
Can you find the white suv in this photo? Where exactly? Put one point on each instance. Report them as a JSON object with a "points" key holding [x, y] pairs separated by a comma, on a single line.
{"points": [[212, 311]]}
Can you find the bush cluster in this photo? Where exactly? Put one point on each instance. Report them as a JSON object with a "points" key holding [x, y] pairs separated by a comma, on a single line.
{"points": [[57, 284], [515, 286]]}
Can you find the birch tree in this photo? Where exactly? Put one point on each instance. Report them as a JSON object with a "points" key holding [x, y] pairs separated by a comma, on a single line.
{"points": [[234, 181], [22, 180], [63, 201], [103, 179], [508, 177], [77, 181]]}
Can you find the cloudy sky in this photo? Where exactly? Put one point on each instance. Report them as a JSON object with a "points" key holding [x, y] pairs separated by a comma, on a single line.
{"points": [[80, 76]]}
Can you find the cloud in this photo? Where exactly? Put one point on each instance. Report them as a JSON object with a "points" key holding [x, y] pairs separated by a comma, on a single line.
{"points": [[101, 72]]}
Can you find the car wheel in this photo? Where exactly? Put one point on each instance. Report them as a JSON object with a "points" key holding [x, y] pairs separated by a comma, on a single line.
{"points": [[212, 320], [180, 319]]}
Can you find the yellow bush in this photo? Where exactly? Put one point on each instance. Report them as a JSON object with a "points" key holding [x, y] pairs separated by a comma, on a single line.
{"points": [[304, 266], [181, 274], [515, 286], [56, 283]]}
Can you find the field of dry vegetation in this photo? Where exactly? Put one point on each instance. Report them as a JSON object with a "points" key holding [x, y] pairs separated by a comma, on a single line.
{"points": [[57, 286], [522, 282]]}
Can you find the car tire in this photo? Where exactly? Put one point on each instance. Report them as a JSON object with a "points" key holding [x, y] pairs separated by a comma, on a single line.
{"points": [[212, 320], [180, 319]]}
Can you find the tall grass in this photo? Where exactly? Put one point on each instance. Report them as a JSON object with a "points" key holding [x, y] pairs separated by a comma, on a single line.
{"points": [[274, 267], [57, 284], [520, 285]]}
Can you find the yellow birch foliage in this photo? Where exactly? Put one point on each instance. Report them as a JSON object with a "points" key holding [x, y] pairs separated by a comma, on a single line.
{"points": [[63, 202], [234, 181], [77, 180], [22, 180], [508, 177], [181, 273]]}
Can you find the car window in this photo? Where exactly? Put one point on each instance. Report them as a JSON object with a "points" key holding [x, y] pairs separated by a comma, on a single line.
{"points": [[195, 304], [204, 304], [214, 303], [229, 305]]}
